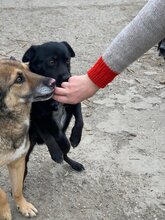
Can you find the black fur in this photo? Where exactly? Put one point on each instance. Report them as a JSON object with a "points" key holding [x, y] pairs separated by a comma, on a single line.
{"points": [[50, 119], [161, 48]]}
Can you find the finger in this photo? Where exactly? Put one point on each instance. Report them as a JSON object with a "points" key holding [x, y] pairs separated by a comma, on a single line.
{"points": [[64, 84], [62, 99], [60, 91]]}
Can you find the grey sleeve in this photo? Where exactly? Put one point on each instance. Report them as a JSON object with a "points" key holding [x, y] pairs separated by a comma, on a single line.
{"points": [[143, 32]]}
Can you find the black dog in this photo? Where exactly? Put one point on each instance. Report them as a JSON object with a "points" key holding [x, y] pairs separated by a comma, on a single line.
{"points": [[50, 119], [161, 48]]}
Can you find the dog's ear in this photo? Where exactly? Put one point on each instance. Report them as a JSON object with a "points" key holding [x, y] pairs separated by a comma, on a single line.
{"points": [[72, 53], [29, 54]]}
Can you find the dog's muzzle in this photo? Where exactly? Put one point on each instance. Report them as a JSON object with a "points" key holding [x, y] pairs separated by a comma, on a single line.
{"points": [[45, 90]]}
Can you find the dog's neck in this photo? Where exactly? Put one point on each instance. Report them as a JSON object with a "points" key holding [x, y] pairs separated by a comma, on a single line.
{"points": [[15, 113], [12, 133], [14, 123]]}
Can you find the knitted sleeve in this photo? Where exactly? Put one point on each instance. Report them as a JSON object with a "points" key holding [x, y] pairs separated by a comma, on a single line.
{"points": [[143, 32]]}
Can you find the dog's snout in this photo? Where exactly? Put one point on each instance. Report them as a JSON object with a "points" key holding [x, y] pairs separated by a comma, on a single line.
{"points": [[61, 79], [65, 78], [52, 83], [44, 90]]}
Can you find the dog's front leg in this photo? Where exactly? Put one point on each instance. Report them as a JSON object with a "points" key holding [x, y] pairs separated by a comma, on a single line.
{"points": [[76, 133], [5, 213], [16, 171], [45, 134]]}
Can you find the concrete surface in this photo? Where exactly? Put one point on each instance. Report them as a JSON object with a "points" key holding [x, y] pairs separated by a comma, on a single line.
{"points": [[123, 144]]}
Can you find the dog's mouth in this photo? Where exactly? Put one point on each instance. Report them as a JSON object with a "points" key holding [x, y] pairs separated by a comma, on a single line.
{"points": [[44, 91], [43, 94], [38, 97], [43, 97]]}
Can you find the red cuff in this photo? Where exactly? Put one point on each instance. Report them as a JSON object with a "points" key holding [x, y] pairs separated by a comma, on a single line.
{"points": [[101, 74]]}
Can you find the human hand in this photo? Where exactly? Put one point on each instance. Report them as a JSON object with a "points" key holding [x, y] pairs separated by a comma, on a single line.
{"points": [[77, 89]]}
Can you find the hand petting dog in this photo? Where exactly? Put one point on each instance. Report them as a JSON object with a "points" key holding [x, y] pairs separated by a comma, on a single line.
{"points": [[77, 89]]}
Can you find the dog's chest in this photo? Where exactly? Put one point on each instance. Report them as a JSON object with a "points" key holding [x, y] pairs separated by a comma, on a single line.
{"points": [[7, 156], [21, 150], [60, 115], [14, 145]]}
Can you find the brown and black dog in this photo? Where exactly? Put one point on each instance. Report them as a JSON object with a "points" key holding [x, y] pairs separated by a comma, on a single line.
{"points": [[18, 89]]}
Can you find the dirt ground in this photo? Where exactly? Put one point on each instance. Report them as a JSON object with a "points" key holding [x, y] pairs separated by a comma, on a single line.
{"points": [[123, 144]]}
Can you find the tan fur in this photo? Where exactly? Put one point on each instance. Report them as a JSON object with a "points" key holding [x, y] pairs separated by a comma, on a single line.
{"points": [[14, 124]]}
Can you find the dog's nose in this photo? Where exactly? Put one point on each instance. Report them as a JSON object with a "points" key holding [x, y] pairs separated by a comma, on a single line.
{"points": [[65, 78], [52, 83]]}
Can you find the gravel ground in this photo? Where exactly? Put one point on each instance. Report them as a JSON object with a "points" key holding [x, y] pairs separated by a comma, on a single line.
{"points": [[123, 141]]}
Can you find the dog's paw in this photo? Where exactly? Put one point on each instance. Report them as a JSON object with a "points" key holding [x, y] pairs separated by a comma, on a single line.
{"points": [[27, 209], [57, 157], [75, 137], [74, 140], [6, 214], [78, 166]]}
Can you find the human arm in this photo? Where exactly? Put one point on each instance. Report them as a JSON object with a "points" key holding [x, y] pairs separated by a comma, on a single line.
{"points": [[143, 32]]}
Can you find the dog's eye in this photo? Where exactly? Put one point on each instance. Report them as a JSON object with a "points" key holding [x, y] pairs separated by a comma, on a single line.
{"points": [[53, 61], [20, 79]]}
